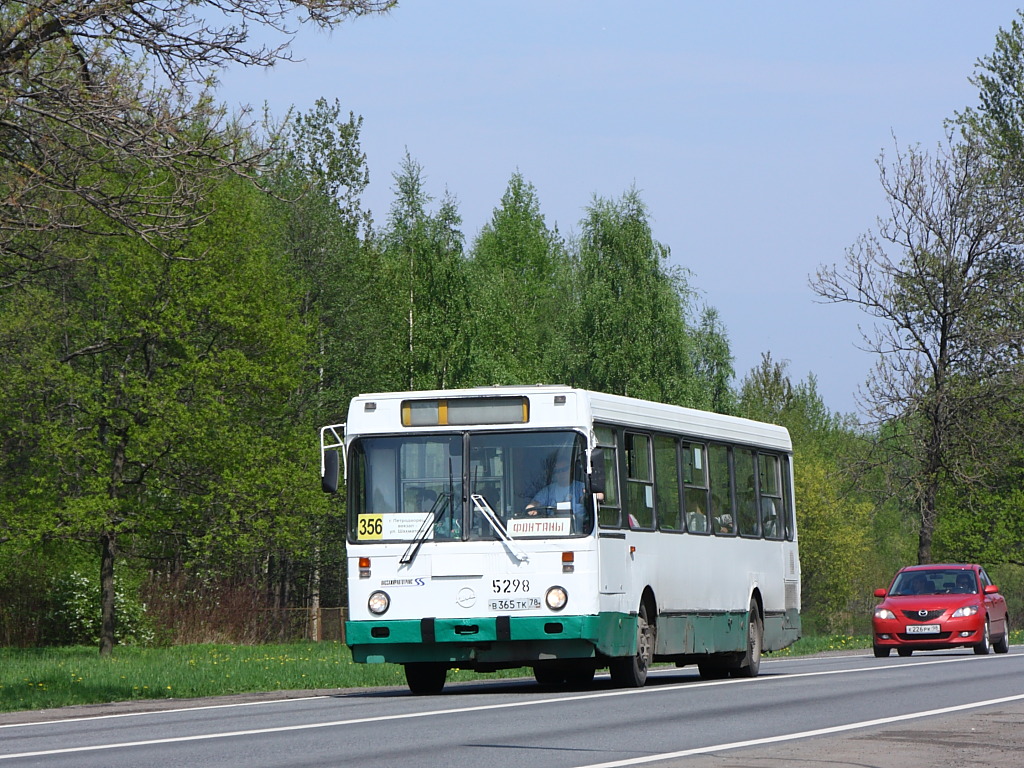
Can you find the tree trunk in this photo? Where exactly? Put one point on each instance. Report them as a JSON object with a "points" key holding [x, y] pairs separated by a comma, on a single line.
{"points": [[315, 625], [108, 546]]}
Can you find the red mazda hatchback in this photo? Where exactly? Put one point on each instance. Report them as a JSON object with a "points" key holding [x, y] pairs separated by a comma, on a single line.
{"points": [[929, 607]]}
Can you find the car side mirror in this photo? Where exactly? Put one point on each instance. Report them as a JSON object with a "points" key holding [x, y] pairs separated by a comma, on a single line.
{"points": [[879, 593], [991, 589]]}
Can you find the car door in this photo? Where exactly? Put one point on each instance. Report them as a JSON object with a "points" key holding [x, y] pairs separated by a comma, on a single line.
{"points": [[995, 605]]}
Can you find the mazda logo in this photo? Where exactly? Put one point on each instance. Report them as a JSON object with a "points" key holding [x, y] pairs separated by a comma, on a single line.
{"points": [[922, 613]]}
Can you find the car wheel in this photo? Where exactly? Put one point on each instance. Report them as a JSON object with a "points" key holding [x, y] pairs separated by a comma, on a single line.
{"points": [[631, 671], [751, 663], [425, 678], [904, 651], [985, 645], [881, 651], [1002, 645]]}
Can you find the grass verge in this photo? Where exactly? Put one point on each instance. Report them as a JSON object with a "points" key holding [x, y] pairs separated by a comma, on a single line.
{"points": [[40, 678]]}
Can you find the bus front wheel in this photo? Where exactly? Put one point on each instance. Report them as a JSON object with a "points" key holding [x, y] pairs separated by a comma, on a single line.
{"points": [[631, 671], [750, 663], [425, 678]]}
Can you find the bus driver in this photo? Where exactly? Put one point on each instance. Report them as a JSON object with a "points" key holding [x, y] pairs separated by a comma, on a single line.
{"points": [[562, 492]]}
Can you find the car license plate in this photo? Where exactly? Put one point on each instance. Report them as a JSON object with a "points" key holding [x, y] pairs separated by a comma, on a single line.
{"points": [[923, 629], [514, 604]]}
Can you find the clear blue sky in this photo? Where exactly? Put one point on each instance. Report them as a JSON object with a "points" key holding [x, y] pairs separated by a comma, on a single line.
{"points": [[750, 129]]}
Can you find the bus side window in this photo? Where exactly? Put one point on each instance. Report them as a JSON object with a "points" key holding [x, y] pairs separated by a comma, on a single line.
{"points": [[666, 484], [770, 490], [609, 512], [787, 500], [639, 482], [722, 517], [695, 488], [746, 491]]}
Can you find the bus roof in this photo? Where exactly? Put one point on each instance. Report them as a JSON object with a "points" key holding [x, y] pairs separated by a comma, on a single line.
{"points": [[584, 408]]}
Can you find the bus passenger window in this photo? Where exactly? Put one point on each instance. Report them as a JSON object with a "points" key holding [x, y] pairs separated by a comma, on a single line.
{"points": [[639, 485], [666, 484], [746, 492], [770, 487], [722, 517], [695, 488]]}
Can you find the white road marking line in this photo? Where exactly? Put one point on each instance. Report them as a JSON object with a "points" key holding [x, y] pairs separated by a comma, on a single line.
{"points": [[538, 702], [801, 734]]}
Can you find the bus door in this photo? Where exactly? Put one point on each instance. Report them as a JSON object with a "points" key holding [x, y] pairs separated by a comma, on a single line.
{"points": [[613, 546]]}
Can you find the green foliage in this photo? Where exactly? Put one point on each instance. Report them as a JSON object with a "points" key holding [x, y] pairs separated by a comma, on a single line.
{"points": [[520, 295], [998, 120], [629, 334], [426, 275], [834, 544], [74, 617]]}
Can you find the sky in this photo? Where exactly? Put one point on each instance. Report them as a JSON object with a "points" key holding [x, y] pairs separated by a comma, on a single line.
{"points": [[751, 130]]}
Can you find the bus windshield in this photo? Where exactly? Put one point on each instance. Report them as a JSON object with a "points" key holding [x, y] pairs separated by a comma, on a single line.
{"points": [[408, 487]]}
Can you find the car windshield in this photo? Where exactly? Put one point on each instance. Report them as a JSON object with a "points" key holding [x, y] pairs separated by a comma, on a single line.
{"points": [[941, 581]]}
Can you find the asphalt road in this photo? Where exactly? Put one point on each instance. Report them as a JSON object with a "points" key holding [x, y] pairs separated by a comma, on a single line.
{"points": [[938, 709]]}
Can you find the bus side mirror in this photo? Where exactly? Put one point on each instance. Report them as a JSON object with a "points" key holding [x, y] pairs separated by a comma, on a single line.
{"points": [[329, 480], [597, 470]]}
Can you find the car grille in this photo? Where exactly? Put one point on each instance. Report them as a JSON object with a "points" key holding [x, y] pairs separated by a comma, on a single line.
{"points": [[916, 615], [924, 638]]}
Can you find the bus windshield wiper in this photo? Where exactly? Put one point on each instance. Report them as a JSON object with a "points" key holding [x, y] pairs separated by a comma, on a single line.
{"points": [[481, 506], [429, 521]]}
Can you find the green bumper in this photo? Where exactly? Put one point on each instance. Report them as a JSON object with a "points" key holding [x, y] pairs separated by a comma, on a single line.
{"points": [[493, 640]]}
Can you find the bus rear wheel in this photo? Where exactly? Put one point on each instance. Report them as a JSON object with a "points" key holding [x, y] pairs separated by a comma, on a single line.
{"points": [[631, 671], [425, 678]]}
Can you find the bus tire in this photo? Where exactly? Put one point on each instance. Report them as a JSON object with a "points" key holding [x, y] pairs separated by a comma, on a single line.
{"points": [[548, 676], [712, 670], [425, 678], [631, 671], [579, 676], [750, 662]]}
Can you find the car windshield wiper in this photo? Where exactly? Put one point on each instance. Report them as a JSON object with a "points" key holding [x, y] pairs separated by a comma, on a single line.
{"points": [[481, 506], [429, 521]]}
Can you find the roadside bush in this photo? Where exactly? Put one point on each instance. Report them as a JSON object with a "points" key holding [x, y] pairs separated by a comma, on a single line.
{"points": [[74, 615]]}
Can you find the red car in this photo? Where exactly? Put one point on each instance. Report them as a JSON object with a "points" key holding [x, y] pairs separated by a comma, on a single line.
{"points": [[930, 607]]}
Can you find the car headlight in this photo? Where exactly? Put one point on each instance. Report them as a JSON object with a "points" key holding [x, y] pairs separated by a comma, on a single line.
{"points": [[884, 613], [967, 610], [378, 603], [556, 598]]}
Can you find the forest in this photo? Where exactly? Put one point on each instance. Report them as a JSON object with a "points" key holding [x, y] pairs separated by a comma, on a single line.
{"points": [[187, 295]]}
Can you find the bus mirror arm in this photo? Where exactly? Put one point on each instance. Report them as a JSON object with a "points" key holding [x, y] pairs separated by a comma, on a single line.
{"points": [[332, 441]]}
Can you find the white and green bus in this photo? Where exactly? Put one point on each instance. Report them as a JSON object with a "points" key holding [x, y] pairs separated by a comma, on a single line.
{"points": [[672, 537]]}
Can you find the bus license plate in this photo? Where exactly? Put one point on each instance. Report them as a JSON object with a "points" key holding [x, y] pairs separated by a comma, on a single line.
{"points": [[514, 604], [923, 629]]}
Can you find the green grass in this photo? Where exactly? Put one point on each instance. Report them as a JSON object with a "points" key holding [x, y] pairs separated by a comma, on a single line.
{"points": [[41, 678], [56, 677]]}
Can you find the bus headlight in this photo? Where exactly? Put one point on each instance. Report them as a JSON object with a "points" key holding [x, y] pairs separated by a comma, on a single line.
{"points": [[378, 603], [556, 598]]}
